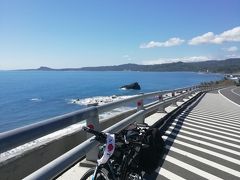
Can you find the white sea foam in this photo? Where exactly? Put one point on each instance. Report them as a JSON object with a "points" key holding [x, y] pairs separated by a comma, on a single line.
{"points": [[36, 99], [98, 100]]}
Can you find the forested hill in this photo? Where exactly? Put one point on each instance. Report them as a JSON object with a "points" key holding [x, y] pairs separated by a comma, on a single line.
{"points": [[214, 66]]}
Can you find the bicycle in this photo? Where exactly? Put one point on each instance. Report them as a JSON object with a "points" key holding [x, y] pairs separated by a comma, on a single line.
{"points": [[121, 162]]}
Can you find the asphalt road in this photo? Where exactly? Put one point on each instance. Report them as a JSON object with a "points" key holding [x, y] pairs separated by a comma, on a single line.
{"points": [[232, 93]]}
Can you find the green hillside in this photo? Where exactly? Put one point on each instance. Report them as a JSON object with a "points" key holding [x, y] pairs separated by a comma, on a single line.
{"points": [[214, 66]]}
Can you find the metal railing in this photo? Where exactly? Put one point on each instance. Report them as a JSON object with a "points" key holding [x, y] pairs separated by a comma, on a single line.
{"points": [[19, 136], [14, 138], [65, 161]]}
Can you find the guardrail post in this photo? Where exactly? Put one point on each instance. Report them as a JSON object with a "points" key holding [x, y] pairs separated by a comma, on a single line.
{"points": [[174, 95], [160, 97], [161, 108], [93, 122], [194, 92], [140, 106], [187, 96]]}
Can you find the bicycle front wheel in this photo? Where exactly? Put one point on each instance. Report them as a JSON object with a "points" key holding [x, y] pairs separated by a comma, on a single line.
{"points": [[102, 174]]}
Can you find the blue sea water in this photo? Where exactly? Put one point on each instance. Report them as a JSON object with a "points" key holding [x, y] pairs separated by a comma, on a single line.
{"points": [[31, 96]]}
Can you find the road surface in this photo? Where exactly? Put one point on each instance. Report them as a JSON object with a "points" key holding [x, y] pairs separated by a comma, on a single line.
{"points": [[204, 141]]}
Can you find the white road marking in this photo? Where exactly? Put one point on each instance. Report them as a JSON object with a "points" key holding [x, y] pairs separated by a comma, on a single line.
{"points": [[213, 153], [219, 91], [226, 116], [209, 133], [225, 131], [205, 161], [232, 90], [217, 120], [186, 120], [204, 143], [208, 138], [169, 175], [191, 168]]}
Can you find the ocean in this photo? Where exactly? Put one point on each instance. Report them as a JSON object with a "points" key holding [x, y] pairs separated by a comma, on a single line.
{"points": [[31, 96]]}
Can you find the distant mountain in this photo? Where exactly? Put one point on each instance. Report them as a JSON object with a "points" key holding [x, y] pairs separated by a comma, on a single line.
{"points": [[43, 68], [214, 66], [123, 67]]}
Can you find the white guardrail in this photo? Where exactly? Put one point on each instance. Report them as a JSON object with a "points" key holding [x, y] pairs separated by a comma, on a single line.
{"points": [[19, 136]]}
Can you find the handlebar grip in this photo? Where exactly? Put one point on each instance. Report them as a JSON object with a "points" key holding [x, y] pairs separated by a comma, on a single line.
{"points": [[100, 136]]}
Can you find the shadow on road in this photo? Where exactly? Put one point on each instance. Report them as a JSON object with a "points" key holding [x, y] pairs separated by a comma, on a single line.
{"points": [[173, 135]]}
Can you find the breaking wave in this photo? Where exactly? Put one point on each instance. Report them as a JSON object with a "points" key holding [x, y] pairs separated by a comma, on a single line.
{"points": [[98, 100], [36, 99]]}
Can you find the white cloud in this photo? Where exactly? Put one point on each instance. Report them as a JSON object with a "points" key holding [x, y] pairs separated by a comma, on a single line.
{"points": [[171, 42], [182, 59], [232, 35], [231, 49], [205, 38]]}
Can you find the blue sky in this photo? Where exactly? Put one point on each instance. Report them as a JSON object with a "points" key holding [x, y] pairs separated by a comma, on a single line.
{"points": [[77, 33]]}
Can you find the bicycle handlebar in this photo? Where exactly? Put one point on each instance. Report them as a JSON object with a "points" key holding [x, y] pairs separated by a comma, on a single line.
{"points": [[100, 136]]}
